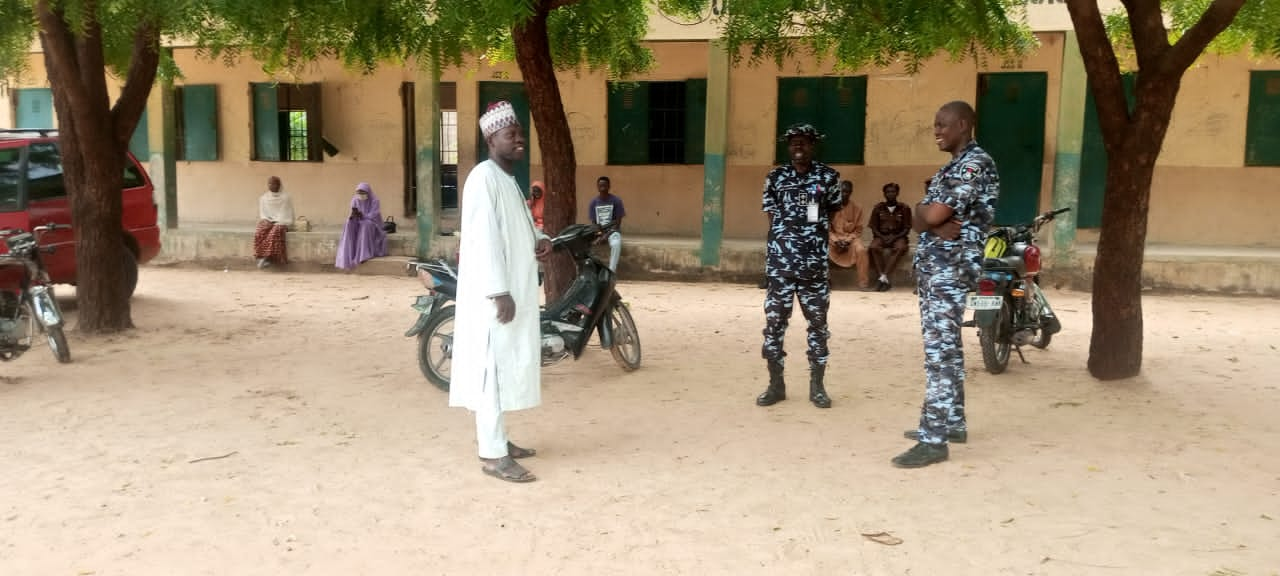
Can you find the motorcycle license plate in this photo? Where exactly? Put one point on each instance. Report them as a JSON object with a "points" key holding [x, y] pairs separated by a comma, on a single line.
{"points": [[978, 302]]}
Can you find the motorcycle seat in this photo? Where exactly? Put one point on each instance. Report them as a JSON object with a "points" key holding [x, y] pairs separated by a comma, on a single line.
{"points": [[998, 264]]}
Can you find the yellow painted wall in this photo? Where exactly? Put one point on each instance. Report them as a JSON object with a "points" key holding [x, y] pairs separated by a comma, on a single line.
{"points": [[1202, 192], [663, 199], [33, 77], [1200, 182], [362, 118]]}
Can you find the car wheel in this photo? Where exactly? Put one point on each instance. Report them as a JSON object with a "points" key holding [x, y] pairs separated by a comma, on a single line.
{"points": [[129, 274]]}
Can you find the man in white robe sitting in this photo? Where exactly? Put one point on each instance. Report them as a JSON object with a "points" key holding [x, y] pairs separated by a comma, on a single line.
{"points": [[497, 353]]}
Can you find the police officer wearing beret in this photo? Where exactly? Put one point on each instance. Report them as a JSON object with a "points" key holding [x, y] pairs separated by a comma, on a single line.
{"points": [[799, 197]]}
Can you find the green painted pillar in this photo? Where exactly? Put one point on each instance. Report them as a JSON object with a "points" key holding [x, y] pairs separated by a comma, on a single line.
{"points": [[162, 130], [426, 113], [713, 167], [1066, 163]]}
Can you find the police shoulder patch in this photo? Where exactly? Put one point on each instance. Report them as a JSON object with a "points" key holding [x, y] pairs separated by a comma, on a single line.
{"points": [[969, 170]]}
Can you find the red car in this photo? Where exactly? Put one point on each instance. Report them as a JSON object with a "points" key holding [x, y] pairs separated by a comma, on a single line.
{"points": [[32, 193]]}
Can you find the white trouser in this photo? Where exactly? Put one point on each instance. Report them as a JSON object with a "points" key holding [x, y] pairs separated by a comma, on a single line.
{"points": [[615, 250], [491, 427]]}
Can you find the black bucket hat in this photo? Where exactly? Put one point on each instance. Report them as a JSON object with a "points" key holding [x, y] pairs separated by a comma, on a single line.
{"points": [[802, 129]]}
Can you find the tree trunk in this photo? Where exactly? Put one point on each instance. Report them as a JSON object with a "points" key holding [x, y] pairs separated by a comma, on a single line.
{"points": [[555, 141], [96, 210], [93, 140], [1133, 141], [1115, 349]]}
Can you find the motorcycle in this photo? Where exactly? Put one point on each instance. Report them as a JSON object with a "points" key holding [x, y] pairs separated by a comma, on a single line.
{"points": [[1010, 310], [591, 304], [26, 296]]}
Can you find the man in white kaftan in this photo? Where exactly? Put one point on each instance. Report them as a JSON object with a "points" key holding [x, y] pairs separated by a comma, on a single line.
{"points": [[497, 342]]}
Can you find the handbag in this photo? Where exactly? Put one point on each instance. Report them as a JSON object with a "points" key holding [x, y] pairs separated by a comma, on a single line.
{"points": [[390, 225], [301, 224]]}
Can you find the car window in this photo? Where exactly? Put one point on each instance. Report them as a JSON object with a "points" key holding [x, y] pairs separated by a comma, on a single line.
{"points": [[10, 178], [132, 177], [44, 172]]}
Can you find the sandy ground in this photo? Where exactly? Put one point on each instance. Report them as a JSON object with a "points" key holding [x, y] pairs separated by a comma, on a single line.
{"points": [[343, 460]]}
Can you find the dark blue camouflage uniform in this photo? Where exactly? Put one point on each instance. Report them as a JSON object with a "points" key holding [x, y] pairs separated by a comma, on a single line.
{"points": [[796, 254], [946, 271]]}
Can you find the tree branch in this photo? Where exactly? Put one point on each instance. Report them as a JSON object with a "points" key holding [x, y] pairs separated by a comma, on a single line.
{"points": [[1150, 37], [60, 54], [1214, 20], [143, 64], [1100, 63], [92, 60]]}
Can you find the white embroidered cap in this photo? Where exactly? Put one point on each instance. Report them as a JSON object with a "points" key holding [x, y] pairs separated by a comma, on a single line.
{"points": [[499, 115]]}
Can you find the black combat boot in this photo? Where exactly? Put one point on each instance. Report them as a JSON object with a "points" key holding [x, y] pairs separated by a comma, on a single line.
{"points": [[777, 390], [818, 393], [922, 455]]}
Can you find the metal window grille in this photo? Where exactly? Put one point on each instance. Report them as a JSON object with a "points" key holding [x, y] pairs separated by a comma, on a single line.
{"points": [[298, 150], [448, 136], [666, 122]]}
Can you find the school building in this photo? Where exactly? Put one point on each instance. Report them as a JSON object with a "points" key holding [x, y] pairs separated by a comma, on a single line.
{"points": [[687, 145]]}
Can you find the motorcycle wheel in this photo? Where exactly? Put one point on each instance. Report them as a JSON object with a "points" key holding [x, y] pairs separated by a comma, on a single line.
{"points": [[435, 348], [995, 341], [58, 344], [626, 339], [130, 271]]}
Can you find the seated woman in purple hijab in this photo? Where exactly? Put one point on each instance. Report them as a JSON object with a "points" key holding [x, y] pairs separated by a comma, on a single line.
{"points": [[363, 237]]}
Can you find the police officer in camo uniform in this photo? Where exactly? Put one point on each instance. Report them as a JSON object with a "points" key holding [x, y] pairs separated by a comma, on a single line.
{"points": [[799, 198], [952, 220]]}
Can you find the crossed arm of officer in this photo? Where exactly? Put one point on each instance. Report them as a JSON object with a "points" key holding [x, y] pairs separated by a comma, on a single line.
{"points": [[938, 218]]}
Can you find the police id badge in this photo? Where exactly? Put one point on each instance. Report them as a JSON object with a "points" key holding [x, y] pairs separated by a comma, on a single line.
{"points": [[812, 208]]}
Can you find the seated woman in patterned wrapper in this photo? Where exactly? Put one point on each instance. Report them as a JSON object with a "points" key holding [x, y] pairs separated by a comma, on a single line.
{"points": [[275, 215]]}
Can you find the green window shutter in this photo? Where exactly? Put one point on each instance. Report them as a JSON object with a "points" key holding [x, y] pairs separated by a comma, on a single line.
{"points": [[200, 122], [266, 122], [1262, 136], [315, 122], [844, 119], [628, 123], [799, 100], [140, 142], [34, 107], [695, 120], [1093, 158]]}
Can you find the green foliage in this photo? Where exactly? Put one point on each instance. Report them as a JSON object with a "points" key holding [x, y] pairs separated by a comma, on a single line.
{"points": [[602, 34], [119, 23], [286, 34], [17, 30], [1255, 28], [880, 32]]}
